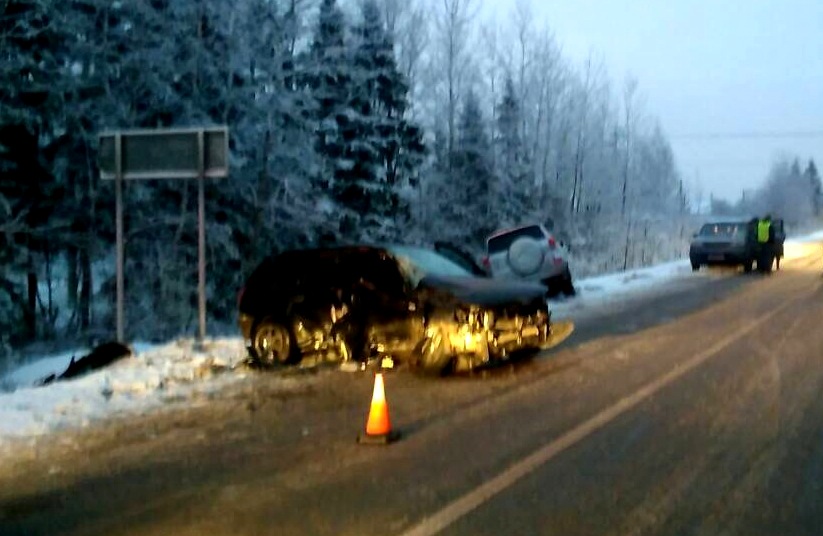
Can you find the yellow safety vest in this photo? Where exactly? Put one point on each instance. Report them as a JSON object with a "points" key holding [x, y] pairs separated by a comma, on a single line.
{"points": [[763, 228]]}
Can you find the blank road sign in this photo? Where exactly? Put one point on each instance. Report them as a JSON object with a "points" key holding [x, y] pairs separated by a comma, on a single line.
{"points": [[165, 154]]}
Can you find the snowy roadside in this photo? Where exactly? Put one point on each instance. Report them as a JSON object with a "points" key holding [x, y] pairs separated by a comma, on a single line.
{"points": [[175, 374], [154, 377], [598, 292]]}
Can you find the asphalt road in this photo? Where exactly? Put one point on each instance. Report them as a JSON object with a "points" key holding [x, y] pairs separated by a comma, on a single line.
{"points": [[694, 411]]}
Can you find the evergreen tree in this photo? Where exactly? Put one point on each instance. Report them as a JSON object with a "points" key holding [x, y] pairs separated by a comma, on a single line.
{"points": [[516, 185], [384, 147], [30, 100], [467, 207], [816, 187], [329, 78]]}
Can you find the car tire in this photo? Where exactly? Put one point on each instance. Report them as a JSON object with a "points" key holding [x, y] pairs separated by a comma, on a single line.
{"points": [[273, 344], [567, 287], [557, 285], [748, 266], [553, 286], [433, 356], [695, 267]]}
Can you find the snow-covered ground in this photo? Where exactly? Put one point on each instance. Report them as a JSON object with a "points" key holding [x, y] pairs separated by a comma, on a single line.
{"points": [[595, 292], [154, 376], [158, 376]]}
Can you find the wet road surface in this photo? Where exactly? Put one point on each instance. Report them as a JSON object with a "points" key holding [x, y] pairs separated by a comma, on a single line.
{"points": [[694, 411]]}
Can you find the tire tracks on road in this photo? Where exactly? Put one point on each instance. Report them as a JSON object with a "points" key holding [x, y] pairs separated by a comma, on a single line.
{"points": [[468, 502]]}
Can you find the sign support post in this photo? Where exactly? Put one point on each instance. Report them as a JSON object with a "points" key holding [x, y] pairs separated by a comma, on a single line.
{"points": [[176, 153], [118, 201], [201, 239]]}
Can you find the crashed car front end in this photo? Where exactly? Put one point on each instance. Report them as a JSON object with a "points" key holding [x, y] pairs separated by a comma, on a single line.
{"points": [[473, 336], [507, 330], [366, 305]]}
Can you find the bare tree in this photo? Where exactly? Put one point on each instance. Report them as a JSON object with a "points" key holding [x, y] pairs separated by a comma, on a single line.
{"points": [[411, 42], [522, 19], [593, 72], [550, 86], [393, 12], [629, 96], [491, 69], [453, 25]]}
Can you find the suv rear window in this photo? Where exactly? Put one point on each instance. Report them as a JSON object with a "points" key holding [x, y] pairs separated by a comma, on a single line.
{"points": [[502, 242]]}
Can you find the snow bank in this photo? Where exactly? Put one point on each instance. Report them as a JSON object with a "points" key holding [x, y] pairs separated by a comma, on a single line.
{"points": [[605, 289], [802, 246], [152, 377]]}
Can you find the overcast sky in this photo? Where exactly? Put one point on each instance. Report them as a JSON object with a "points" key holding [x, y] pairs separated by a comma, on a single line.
{"points": [[749, 68]]}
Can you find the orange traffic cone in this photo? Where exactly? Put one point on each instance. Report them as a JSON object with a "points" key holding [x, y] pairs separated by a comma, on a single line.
{"points": [[378, 427]]}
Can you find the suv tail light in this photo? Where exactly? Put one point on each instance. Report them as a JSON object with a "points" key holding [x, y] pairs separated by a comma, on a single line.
{"points": [[486, 262], [552, 242]]}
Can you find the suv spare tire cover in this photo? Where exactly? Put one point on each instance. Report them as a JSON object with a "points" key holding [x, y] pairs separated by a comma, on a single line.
{"points": [[525, 256]]}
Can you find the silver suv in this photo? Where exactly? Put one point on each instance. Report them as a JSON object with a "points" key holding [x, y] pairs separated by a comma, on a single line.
{"points": [[532, 253]]}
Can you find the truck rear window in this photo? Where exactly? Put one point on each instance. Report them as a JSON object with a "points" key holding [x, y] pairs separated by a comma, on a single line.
{"points": [[502, 242]]}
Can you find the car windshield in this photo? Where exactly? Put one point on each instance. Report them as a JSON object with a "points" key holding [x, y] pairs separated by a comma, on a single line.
{"points": [[419, 262], [722, 229]]}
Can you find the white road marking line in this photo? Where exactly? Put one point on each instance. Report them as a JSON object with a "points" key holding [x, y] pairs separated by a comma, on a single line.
{"points": [[462, 506]]}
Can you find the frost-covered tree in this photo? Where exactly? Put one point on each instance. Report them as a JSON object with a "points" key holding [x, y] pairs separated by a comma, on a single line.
{"points": [[515, 189], [787, 194], [465, 192], [327, 123], [816, 186], [329, 77], [33, 53], [384, 148]]}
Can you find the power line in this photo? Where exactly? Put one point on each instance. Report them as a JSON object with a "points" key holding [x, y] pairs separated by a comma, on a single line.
{"points": [[808, 134]]}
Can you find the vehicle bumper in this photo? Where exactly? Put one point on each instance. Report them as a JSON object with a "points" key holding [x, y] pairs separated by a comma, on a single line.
{"points": [[485, 338], [729, 257]]}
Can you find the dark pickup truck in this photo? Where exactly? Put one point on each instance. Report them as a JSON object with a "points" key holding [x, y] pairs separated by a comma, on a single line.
{"points": [[732, 242]]}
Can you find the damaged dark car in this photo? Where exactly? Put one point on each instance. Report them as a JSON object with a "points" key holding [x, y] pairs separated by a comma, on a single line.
{"points": [[362, 304]]}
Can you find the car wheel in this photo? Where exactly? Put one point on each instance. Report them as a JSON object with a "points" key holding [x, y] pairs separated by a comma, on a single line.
{"points": [[695, 267], [748, 266], [273, 343], [433, 356]]}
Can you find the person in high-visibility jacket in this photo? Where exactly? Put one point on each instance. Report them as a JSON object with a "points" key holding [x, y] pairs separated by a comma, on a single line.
{"points": [[765, 239]]}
